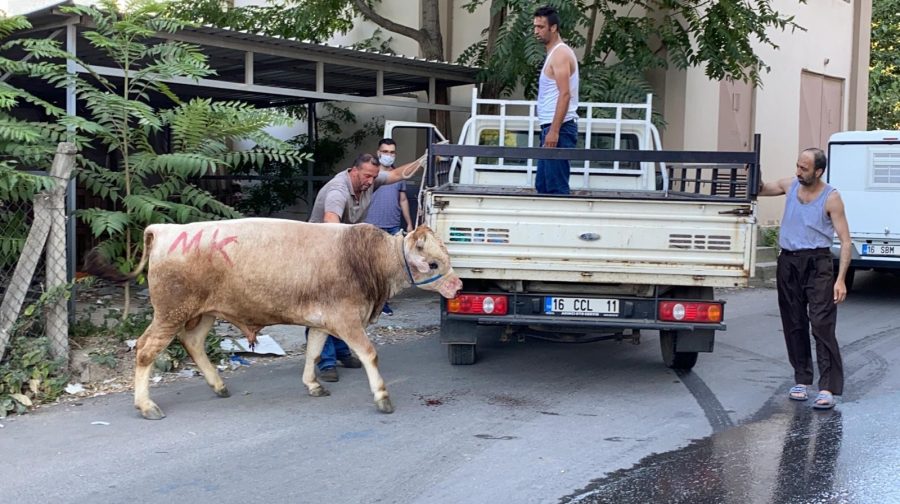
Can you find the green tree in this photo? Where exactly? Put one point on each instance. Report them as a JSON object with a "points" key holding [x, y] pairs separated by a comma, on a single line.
{"points": [[634, 37], [23, 145], [132, 115], [884, 66]]}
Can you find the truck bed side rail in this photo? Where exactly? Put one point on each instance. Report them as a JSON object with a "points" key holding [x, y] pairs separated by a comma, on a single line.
{"points": [[721, 175]]}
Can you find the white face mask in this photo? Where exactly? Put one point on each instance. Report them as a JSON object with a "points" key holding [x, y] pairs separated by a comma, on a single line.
{"points": [[386, 159]]}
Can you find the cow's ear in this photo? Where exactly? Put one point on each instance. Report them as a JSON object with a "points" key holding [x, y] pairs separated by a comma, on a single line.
{"points": [[419, 263]]}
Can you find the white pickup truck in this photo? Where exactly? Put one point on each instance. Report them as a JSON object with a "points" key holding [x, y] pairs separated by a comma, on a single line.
{"points": [[640, 244], [865, 167]]}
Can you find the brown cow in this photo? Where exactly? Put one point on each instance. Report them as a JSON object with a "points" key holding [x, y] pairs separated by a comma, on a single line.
{"points": [[254, 273]]}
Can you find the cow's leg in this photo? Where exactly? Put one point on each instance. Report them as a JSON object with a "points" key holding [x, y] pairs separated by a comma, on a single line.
{"points": [[193, 337], [315, 341], [359, 342], [156, 337]]}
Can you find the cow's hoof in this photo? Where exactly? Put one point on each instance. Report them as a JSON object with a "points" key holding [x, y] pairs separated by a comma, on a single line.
{"points": [[223, 392], [153, 413], [319, 392], [384, 405]]}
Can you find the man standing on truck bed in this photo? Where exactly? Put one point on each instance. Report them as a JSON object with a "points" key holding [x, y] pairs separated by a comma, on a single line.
{"points": [[556, 103], [808, 291]]}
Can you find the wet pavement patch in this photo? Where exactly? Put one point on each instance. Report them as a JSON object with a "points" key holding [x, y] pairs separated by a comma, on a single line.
{"points": [[797, 455]]}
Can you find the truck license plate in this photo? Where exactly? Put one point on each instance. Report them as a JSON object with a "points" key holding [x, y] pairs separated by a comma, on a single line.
{"points": [[581, 307], [868, 249]]}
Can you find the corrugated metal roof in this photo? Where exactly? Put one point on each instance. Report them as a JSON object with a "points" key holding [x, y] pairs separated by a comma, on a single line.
{"points": [[291, 63]]}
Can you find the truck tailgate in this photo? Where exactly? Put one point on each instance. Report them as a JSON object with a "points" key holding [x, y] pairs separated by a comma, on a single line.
{"points": [[595, 240]]}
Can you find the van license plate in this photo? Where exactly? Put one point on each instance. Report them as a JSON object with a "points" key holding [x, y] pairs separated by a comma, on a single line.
{"points": [[868, 249], [581, 307]]}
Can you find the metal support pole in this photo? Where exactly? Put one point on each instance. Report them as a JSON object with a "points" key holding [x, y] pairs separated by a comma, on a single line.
{"points": [[311, 143], [429, 168], [71, 110]]}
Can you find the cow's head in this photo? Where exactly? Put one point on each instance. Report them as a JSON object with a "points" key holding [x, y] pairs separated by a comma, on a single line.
{"points": [[428, 263]]}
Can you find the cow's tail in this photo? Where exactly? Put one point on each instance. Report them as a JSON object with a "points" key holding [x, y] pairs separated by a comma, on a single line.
{"points": [[95, 263]]}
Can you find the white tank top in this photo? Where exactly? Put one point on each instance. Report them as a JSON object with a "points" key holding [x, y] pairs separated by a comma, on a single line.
{"points": [[548, 93]]}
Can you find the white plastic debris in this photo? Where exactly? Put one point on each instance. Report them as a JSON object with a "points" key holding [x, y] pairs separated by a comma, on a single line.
{"points": [[98, 422], [156, 379], [74, 388], [265, 345], [187, 373], [131, 343]]}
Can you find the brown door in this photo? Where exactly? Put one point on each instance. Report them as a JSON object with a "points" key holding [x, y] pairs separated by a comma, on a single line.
{"points": [[735, 131], [735, 116], [821, 109]]}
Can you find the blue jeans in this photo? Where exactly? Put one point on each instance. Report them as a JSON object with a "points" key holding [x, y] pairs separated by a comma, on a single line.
{"points": [[333, 350], [392, 230], [553, 174]]}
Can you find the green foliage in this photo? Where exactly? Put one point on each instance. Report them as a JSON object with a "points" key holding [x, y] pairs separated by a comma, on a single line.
{"points": [[28, 374], [280, 185], [884, 66], [24, 145], [308, 20], [634, 37], [104, 358], [769, 236]]}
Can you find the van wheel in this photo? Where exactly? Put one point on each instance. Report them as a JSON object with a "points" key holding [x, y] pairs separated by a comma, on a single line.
{"points": [[671, 358], [461, 354]]}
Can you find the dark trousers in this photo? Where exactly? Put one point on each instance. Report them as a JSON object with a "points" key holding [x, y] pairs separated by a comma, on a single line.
{"points": [[806, 299], [553, 174]]}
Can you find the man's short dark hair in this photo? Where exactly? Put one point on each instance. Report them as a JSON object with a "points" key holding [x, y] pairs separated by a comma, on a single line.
{"points": [[365, 158], [819, 159], [386, 141], [550, 13]]}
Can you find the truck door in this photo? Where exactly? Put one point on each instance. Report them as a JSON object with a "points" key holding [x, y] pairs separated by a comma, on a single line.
{"points": [[412, 139]]}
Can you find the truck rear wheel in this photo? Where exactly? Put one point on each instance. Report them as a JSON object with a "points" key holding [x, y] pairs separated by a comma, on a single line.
{"points": [[461, 354], [671, 358]]}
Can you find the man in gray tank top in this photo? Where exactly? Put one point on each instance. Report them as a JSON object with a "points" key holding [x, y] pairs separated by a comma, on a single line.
{"points": [[556, 103], [808, 290]]}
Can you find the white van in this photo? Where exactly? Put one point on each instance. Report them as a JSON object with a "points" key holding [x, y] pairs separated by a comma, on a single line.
{"points": [[865, 167]]}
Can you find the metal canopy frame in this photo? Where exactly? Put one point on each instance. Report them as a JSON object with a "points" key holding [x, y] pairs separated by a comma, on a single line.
{"points": [[271, 71]]}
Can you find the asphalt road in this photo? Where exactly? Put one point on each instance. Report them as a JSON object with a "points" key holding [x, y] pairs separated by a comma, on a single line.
{"points": [[530, 422]]}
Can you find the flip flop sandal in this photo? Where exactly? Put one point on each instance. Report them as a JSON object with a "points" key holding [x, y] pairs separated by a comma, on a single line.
{"points": [[828, 401], [798, 393]]}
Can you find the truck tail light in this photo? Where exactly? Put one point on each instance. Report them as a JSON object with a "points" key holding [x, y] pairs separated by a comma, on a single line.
{"points": [[478, 304], [690, 311]]}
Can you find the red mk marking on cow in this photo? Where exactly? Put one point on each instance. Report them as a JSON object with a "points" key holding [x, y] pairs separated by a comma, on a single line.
{"points": [[220, 245], [186, 246]]}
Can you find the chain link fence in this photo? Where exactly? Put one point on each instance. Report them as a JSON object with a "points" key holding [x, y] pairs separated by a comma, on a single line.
{"points": [[33, 252]]}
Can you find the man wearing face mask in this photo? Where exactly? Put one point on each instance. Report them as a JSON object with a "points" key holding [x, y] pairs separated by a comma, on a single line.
{"points": [[346, 198], [389, 203]]}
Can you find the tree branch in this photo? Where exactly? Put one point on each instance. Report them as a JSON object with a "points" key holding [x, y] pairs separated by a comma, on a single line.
{"points": [[387, 24]]}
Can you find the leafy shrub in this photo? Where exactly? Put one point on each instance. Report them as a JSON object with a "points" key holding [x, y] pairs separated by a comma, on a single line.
{"points": [[29, 375]]}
